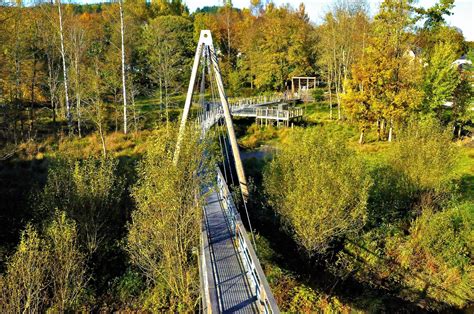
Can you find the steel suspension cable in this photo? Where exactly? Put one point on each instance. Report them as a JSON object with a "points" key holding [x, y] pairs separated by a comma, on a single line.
{"points": [[213, 55], [224, 134], [221, 131], [221, 140]]}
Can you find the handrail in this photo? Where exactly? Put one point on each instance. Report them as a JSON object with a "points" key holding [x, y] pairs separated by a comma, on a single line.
{"points": [[209, 293], [255, 273]]}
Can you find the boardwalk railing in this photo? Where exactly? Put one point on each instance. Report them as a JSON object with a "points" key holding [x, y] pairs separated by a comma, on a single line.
{"points": [[269, 113], [206, 119], [251, 263]]}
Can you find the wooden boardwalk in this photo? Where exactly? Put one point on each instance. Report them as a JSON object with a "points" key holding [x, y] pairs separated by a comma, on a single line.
{"points": [[253, 109]]}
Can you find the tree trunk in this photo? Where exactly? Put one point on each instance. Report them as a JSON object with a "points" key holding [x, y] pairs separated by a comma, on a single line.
{"points": [[378, 130], [124, 90], [78, 92], [135, 118], [382, 128], [459, 131], [102, 139], [361, 137], [63, 55], [78, 109], [161, 93], [330, 95], [33, 84], [390, 131]]}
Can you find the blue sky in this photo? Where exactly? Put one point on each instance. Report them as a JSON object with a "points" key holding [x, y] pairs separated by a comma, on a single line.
{"points": [[463, 16]]}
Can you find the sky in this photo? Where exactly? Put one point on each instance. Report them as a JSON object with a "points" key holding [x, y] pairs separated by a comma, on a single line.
{"points": [[463, 12]]}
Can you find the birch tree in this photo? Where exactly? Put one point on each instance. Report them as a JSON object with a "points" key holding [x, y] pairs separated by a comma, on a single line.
{"points": [[124, 87], [63, 57], [78, 46], [343, 37]]}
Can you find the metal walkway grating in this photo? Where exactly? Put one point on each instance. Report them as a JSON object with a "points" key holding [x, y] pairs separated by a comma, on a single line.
{"points": [[233, 288]]}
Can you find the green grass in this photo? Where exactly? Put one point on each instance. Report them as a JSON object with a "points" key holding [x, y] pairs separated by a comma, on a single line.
{"points": [[465, 171]]}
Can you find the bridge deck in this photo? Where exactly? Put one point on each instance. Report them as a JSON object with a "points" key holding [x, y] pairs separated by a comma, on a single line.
{"points": [[233, 287]]}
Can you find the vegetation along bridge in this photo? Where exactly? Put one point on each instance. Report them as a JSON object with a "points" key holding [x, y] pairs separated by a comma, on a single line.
{"points": [[232, 279]]}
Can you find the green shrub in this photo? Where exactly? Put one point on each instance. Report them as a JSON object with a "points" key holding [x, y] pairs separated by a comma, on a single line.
{"points": [[90, 192], [438, 254], [67, 265], [425, 155], [45, 272], [23, 286], [318, 94], [319, 187], [430, 263], [165, 227]]}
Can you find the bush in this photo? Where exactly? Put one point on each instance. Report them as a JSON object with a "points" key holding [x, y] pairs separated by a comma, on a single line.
{"points": [[319, 187], [166, 225], [429, 264], [67, 264], [45, 272], [426, 156], [318, 94], [23, 286], [89, 191], [438, 249]]}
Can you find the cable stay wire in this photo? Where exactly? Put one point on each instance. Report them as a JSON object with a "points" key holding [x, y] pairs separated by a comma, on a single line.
{"points": [[221, 124], [214, 55]]}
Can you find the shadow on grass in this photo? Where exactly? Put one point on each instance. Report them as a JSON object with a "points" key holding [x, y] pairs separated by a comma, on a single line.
{"points": [[315, 271]]}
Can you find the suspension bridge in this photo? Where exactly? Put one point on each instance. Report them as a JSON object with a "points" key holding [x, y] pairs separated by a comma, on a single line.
{"points": [[232, 279]]}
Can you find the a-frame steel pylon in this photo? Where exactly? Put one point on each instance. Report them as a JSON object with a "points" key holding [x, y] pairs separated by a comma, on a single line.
{"points": [[206, 47]]}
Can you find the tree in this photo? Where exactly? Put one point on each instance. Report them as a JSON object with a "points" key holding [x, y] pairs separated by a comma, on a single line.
{"points": [[23, 286], [281, 44], [388, 77], [167, 43], [319, 188], [67, 263], [462, 98], [124, 87], [63, 57], [435, 15], [165, 226], [343, 37], [80, 41], [440, 77]]}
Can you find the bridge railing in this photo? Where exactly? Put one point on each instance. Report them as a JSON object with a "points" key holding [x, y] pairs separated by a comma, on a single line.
{"points": [[208, 286], [256, 100], [255, 273]]}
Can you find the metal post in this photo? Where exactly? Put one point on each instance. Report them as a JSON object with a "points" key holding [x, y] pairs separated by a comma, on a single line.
{"points": [[228, 118], [189, 96]]}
